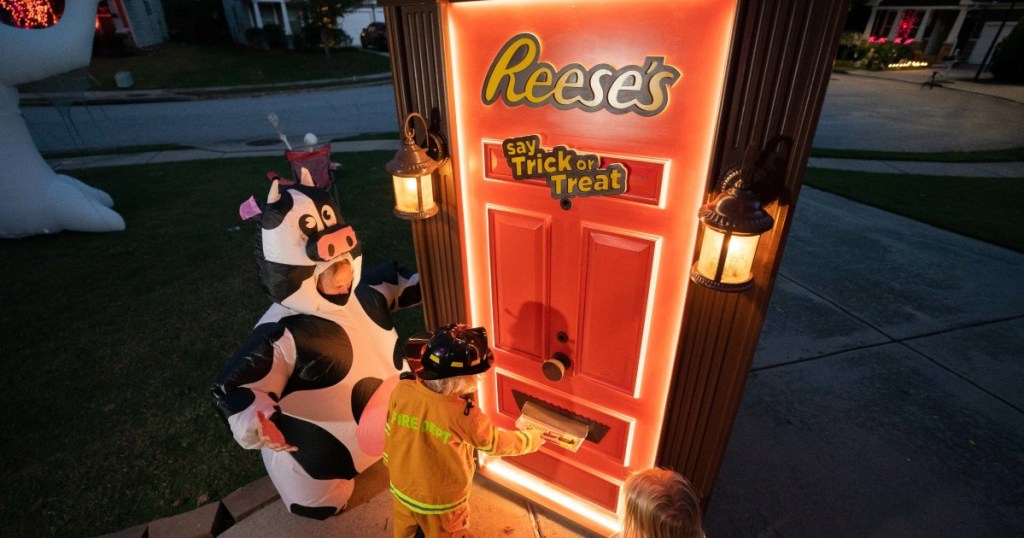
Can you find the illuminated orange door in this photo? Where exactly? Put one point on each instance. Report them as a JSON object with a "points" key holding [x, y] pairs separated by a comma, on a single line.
{"points": [[601, 282], [576, 282]]}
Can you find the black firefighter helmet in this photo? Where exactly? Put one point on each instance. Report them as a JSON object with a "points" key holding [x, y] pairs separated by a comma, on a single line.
{"points": [[450, 351]]}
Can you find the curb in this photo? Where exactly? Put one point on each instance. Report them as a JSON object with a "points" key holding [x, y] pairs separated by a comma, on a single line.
{"points": [[85, 98], [206, 153], [210, 519]]}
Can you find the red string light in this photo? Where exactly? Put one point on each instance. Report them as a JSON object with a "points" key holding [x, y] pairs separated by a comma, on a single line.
{"points": [[30, 13], [908, 22]]}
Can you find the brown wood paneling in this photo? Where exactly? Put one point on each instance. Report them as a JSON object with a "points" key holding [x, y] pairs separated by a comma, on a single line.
{"points": [[417, 61], [779, 69]]}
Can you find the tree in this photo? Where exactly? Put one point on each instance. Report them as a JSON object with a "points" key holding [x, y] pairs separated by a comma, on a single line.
{"points": [[320, 21], [1008, 60]]}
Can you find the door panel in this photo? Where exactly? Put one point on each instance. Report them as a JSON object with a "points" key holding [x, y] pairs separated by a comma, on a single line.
{"points": [[616, 271], [597, 489], [519, 279]]}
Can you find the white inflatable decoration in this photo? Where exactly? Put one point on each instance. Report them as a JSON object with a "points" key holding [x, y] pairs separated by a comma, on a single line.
{"points": [[310, 385], [33, 198]]}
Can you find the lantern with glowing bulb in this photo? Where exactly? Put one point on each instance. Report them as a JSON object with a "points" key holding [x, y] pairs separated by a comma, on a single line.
{"points": [[733, 224], [412, 170]]}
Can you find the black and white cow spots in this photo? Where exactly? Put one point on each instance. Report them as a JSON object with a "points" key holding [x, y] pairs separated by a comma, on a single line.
{"points": [[317, 360]]}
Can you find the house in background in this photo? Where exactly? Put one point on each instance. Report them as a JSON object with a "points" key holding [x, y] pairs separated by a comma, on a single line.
{"points": [[961, 29], [139, 22], [244, 14]]}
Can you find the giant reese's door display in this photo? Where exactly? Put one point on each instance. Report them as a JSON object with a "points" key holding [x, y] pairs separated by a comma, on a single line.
{"points": [[582, 134]]}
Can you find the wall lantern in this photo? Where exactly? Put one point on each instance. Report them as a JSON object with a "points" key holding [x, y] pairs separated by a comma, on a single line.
{"points": [[733, 224], [412, 171]]}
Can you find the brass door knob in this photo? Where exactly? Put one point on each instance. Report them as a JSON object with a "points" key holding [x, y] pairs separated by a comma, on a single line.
{"points": [[555, 367]]}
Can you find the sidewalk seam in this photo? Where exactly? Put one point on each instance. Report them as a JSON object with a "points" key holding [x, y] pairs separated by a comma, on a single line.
{"points": [[904, 342], [961, 377]]}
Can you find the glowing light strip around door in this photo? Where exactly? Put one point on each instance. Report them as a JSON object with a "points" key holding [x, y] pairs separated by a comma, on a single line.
{"points": [[539, 487]]}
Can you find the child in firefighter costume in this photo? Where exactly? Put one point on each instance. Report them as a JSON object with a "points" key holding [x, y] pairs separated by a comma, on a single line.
{"points": [[310, 385], [434, 431]]}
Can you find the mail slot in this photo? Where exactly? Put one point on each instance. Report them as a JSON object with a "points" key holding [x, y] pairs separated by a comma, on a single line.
{"points": [[584, 137]]}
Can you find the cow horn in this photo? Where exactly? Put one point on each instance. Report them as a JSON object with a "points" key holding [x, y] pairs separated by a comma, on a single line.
{"points": [[306, 179], [275, 193]]}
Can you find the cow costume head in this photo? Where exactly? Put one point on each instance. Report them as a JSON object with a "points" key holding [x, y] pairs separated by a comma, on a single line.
{"points": [[308, 259]]}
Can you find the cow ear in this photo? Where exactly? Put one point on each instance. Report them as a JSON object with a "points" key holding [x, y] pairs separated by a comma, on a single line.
{"points": [[250, 209], [275, 193], [306, 179]]}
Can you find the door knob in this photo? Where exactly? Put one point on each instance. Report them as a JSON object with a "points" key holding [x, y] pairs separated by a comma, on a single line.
{"points": [[555, 367]]}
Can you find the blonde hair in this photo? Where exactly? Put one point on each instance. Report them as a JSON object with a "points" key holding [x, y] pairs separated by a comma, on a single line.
{"points": [[454, 386], [660, 503]]}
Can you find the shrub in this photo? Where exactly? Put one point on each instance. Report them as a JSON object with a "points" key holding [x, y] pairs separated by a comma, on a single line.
{"points": [[274, 35], [1008, 60], [848, 45], [256, 37], [314, 37], [197, 21], [111, 45], [879, 53], [344, 40]]}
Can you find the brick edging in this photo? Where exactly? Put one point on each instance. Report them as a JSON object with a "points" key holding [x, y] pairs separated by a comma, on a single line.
{"points": [[210, 519]]}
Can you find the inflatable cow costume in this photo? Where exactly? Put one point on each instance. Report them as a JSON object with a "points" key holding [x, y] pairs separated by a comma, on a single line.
{"points": [[310, 384]]}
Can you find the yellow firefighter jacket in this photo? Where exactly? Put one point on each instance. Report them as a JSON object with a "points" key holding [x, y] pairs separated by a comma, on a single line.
{"points": [[430, 443]]}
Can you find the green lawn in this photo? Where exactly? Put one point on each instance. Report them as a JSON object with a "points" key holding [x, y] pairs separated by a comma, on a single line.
{"points": [[982, 208], [178, 65], [112, 340], [983, 156]]}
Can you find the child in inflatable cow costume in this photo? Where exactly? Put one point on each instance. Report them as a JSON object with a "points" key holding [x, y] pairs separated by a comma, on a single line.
{"points": [[310, 384]]}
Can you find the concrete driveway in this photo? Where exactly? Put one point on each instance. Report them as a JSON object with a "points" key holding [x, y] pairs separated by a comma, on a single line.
{"points": [[897, 114]]}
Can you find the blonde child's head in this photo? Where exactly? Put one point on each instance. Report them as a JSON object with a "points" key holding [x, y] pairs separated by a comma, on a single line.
{"points": [[454, 386], [659, 503]]}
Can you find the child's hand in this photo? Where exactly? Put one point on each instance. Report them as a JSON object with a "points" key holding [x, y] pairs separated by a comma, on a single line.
{"points": [[271, 436], [538, 437]]}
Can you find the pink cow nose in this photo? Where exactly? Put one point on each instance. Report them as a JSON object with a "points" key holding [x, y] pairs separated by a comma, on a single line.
{"points": [[336, 243]]}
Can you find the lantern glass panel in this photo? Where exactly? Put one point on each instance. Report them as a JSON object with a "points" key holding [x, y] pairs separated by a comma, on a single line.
{"points": [[739, 259], [710, 252], [739, 256], [407, 193]]}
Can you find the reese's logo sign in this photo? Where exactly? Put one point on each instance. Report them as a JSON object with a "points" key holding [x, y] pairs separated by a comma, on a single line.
{"points": [[568, 173], [517, 76]]}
